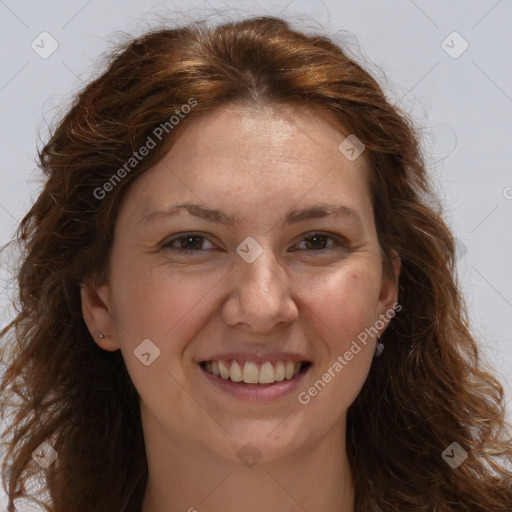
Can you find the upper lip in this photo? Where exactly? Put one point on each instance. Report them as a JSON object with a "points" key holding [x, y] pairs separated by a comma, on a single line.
{"points": [[257, 357]]}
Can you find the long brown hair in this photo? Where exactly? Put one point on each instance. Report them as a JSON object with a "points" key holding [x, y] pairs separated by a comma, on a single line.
{"points": [[427, 391]]}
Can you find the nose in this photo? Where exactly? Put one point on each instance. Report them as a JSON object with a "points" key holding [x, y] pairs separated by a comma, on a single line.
{"points": [[260, 299]]}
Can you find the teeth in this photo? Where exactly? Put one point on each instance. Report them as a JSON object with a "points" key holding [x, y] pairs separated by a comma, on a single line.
{"points": [[267, 374], [279, 371], [235, 374], [250, 373], [288, 370], [224, 370]]}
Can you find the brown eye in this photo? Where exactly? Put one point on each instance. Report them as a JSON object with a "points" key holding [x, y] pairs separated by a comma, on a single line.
{"points": [[316, 241], [187, 243], [320, 242]]}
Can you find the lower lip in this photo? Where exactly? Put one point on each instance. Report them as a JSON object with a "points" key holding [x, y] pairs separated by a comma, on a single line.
{"points": [[256, 392]]}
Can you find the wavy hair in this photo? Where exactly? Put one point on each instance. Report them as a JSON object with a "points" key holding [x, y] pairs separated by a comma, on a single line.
{"points": [[429, 388]]}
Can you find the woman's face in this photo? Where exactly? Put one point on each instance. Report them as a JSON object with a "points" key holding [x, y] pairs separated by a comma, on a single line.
{"points": [[254, 274]]}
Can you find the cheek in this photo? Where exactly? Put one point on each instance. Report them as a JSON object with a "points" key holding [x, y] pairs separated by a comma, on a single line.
{"points": [[343, 313], [155, 300], [161, 307], [167, 307], [344, 303]]}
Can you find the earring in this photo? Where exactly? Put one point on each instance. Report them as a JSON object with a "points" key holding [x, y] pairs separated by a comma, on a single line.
{"points": [[379, 348], [101, 335]]}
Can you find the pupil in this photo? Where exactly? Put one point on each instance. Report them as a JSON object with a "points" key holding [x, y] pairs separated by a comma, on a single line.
{"points": [[316, 237], [186, 242]]}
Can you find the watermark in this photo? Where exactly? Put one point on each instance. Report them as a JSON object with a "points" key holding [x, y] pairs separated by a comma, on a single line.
{"points": [[454, 45], [461, 249], [454, 455], [146, 352], [45, 455], [351, 147], [249, 249], [151, 142], [507, 192], [44, 45], [304, 397], [249, 455]]}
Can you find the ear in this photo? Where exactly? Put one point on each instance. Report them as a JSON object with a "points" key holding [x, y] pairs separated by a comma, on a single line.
{"points": [[97, 315], [388, 296]]}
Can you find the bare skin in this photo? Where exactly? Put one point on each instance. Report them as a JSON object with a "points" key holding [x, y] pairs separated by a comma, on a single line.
{"points": [[302, 295]]}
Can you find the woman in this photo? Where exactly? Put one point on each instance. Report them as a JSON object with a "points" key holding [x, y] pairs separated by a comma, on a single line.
{"points": [[235, 224]]}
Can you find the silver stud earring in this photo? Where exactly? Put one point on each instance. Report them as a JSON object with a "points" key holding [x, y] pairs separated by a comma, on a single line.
{"points": [[379, 348], [101, 335]]}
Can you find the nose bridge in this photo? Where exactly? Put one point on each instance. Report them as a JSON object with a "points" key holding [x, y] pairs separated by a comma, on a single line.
{"points": [[263, 297], [261, 278]]}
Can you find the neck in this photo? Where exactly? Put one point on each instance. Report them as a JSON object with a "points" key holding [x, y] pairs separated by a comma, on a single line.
{"points": [[192, 478]]}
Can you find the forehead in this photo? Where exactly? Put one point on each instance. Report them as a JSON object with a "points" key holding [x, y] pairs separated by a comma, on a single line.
{"points": [[264, 135], [255, 158]]}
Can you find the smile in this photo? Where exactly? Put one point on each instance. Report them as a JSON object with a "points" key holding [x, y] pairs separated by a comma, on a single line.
{"points": [[250, 372]]}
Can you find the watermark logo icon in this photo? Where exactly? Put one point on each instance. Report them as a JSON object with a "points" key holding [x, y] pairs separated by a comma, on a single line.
{"points": [[461, 249], [249, 249], [147, 352], [351, 147], [454, 455], [44, 455], [44, 45], [454, 45], [249, 455]]}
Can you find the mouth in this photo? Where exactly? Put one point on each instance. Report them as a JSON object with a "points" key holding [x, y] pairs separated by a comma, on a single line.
{"points": [[250, 372]]}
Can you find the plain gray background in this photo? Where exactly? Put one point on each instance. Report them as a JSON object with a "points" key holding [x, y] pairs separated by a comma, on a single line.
{"points": [[461, 100]]}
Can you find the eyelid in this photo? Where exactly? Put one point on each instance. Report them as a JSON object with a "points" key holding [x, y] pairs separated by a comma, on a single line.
{"points": [[166, 244], [338, 241]]}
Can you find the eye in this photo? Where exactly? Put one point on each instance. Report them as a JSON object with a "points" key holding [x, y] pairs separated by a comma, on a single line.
{"points": [[187, 243], [318, 242]]}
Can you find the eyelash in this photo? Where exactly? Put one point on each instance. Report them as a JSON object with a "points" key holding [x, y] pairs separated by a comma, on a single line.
{"points": [[338, 241]]}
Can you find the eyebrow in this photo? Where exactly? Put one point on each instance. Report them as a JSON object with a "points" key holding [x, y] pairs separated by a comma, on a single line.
{"points": [[291, 217]]}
